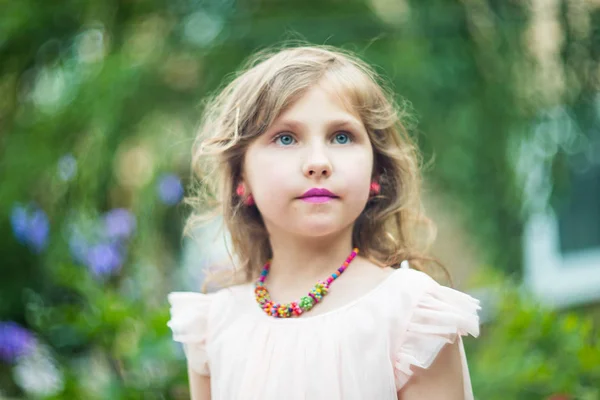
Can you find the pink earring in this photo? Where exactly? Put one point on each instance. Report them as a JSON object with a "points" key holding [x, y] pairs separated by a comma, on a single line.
{"points": [[241, 191], [374, 189]]}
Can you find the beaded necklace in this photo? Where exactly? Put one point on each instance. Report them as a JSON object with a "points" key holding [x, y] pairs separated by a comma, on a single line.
{"points": [[296, 308]]}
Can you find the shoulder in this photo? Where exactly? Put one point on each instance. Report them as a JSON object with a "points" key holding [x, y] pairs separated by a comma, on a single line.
{"points": [[431, 302], [182, 302], [417, 285], [198, 312], [402, 286]]}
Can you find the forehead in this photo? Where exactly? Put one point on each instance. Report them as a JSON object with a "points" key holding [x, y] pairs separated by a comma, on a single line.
{"points": [[322, 101]]}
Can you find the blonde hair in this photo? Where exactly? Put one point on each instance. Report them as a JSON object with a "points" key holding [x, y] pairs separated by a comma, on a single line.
{"points": [[386, 232]]}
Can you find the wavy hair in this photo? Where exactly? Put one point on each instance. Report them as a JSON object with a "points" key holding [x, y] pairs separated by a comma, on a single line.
{"points": [[389, 229]]}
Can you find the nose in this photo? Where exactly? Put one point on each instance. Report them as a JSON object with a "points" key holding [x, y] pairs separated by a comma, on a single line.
{"points": [[317, 164]]}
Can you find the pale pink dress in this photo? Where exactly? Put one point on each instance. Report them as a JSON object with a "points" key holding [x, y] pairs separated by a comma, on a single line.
{"points": [[366, 349]]}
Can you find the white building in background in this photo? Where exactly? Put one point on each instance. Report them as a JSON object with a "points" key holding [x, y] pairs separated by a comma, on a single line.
{"points": [[562, 237], [562, 234]]}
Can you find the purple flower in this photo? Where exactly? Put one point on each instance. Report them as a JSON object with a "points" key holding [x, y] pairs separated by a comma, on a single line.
{"points": [[38, 230], [104, 259], [170, 189], [30, 226], [15, 341], [100, 244], [19, 221], [67, 167], [119, 223]]}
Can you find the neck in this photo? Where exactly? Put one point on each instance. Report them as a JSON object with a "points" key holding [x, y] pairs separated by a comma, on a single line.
{"points": [[300, 260]]}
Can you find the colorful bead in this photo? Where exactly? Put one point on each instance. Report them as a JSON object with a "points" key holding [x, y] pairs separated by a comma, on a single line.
{"points": [[306, 303]]}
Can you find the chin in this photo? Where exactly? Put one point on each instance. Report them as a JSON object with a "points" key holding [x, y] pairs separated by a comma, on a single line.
{"points": [[311, 226], [319, 229]]}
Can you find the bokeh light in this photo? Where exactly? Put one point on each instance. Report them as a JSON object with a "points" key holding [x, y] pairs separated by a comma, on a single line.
{"points": [[15, 341], [170, 189]]}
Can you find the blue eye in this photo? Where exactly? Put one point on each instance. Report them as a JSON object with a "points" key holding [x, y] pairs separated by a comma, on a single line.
{"points": [[285, 140], [342, 138]]}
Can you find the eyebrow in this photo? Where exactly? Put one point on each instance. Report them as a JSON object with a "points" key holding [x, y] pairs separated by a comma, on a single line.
{"points": [[334, 124]]}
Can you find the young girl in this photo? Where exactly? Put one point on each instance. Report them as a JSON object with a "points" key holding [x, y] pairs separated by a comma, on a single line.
{"points": [[305, 158]]}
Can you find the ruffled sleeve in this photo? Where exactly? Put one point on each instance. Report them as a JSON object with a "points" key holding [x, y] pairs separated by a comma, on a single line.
{"points": [[440, 316], [189, 323]]}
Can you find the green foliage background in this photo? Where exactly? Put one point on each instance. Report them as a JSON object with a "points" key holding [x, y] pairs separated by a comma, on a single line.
{"points": [[118, 85]]}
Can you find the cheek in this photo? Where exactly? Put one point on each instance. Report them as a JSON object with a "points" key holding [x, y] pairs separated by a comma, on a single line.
{"points": [[266, 170], [357, 168]]}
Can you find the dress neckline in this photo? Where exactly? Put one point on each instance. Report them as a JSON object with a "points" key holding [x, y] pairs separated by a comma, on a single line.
{"points": [[261, 314]]}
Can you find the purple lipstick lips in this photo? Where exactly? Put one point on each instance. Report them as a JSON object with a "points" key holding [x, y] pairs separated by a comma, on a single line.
{"points": [[316, 195]]}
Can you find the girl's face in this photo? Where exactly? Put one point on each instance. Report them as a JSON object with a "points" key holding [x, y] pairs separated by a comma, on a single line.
{"points": [[316, 143]]}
